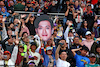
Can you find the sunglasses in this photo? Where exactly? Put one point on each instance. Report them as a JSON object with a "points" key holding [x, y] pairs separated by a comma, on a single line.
{"points": [[89, 35]]}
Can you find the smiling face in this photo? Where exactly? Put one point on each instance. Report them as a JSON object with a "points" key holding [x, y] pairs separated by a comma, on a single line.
{"points": [[76, 40], [44, 30], [49, 52], [92, 59], [21, 49], [63, 56]]}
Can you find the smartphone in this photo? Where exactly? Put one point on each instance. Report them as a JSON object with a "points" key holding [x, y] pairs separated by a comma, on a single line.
{"points": [[61, 44], [14, 36]]}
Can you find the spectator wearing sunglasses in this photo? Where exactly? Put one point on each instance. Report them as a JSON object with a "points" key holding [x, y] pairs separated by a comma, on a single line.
{"points": [[88, 42]]}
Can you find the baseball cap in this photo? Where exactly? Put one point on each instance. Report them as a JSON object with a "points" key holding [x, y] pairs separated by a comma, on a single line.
{"points": [[92, 55], [42, 18], [7, 52], [87, 33], [49, 48], [85, 48], [31, 62]]}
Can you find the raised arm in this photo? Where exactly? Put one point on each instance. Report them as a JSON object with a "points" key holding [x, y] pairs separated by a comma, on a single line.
{"points": [[74, 51], [42, 48], [67, 29], [4, 32], [57, 52], [15, 52], [54, 47], [17, 29], [3, 43], [56, 17], [26, 21], [66, 13]]}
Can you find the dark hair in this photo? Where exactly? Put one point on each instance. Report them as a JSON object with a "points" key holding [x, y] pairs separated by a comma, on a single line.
{"points": [[8, 29], [97, 46], [42, 18], [24, 33], [85, 48], [62, 39], [19, 0], [34, 43], [0, 28], [76, 37], [10, 24], [82, 25], [62, 51]]}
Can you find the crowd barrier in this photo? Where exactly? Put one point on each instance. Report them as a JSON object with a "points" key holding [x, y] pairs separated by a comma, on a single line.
{"points": [[52, 15]]}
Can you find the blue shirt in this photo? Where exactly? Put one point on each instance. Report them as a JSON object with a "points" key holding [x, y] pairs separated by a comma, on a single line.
{"points": [[5, 14], [46, 57], [80, 60]]}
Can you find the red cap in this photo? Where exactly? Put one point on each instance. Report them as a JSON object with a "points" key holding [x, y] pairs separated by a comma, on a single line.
{"points": [[7, 52]]}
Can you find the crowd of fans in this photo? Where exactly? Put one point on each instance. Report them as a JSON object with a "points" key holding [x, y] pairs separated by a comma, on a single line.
{"points": [[75, 41]]}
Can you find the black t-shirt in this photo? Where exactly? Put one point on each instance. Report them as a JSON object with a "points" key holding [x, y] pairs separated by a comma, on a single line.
{"points": [[31, 28], [70, 15], [64, 8], [29, 8], [90, 19], [52, 8]]}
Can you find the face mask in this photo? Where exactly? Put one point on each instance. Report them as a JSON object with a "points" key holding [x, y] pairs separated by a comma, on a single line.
{"points": [[71, 37]]}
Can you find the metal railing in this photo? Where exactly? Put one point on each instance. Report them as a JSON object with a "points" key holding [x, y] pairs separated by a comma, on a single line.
{"points": [[52, 15]]}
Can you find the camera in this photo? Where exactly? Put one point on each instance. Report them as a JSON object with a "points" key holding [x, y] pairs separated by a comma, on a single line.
{"points": [[13, 36], [61, 44]]}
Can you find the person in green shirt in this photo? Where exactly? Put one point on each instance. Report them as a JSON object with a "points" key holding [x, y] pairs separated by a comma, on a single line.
{"points": [[19, 6], [92, 58]]}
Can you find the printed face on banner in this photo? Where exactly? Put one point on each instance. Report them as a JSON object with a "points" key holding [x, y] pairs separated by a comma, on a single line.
{"points": [[44, 30]]}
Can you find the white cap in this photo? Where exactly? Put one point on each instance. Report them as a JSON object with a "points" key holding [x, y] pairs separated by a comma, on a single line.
{"points": [[87, 33], [31, 61]]}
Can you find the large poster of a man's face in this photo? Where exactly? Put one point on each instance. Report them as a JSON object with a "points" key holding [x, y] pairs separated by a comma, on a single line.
{"points": [[43, 27]]}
